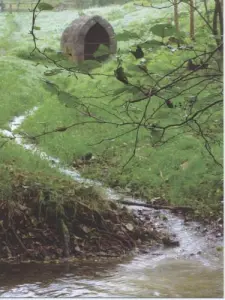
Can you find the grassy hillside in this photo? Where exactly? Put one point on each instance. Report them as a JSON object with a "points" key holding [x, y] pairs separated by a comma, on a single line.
{"points": [[180, 170]]}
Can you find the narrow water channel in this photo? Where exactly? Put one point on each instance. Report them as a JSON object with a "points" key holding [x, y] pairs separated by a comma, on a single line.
{"points": [[194, 269]]}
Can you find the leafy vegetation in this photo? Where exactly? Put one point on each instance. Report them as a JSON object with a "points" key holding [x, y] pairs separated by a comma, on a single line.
{"points": [[174, 168], [119, 109]]}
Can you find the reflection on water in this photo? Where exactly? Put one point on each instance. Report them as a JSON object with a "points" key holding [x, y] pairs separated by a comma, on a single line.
{"points": [[140, 277]]}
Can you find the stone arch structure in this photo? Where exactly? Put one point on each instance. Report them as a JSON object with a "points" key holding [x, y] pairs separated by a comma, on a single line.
{"points": [[83, 36]]}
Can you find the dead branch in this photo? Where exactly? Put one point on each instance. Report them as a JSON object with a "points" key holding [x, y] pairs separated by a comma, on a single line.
{"points": [[157, 207]]}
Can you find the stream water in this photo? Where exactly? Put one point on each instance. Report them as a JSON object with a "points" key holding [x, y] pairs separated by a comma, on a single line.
{"points": [[194, 269]]}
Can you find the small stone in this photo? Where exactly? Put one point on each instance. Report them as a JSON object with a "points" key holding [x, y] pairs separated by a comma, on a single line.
{"points": [[219, 234], [138, 242], [186, 223], [170, 243], [129, 227], [77, 249], [144, 251], [156, 254]]}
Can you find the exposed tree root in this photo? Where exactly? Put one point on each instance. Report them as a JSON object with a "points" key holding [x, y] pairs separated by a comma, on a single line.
{"points": [[18, 239], [174, 209], [42, 223], [66, 237]]}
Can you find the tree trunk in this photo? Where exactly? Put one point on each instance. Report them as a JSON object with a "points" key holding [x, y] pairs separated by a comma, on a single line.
{"points": [[2, 6], [220, 14], [176, 16], [206, 10], [192, 20], [18, 5], [216, 33]]}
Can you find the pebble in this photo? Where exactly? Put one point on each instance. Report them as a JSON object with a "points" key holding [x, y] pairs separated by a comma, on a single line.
{"points": [[144, 251], [139, 242], [157, 254], [186, 223], [218, 234]]}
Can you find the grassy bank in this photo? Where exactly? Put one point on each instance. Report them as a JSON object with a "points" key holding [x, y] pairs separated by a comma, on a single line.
{"points": [[44, 215], [180, 171]]}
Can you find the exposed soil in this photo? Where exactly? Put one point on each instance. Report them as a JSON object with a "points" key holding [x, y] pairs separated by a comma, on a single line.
{"points": [[39, 224], [110, 234]]}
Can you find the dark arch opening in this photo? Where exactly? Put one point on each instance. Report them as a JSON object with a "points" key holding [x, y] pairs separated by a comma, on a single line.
{"points": [[96, 36]]}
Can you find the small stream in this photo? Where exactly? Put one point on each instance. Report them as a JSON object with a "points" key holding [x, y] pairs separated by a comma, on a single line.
{"points": [[194, 269]]}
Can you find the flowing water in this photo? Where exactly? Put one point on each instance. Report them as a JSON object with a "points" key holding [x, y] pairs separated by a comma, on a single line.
{"points": [[194, 269]]}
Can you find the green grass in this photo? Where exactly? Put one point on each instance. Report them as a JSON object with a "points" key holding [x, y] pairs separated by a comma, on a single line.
{"points": [[154, 171], [20, 167], [21, 88]]}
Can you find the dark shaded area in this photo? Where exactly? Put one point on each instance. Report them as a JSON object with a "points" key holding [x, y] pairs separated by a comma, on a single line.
{"points": [[30, 273], [96, 36]]}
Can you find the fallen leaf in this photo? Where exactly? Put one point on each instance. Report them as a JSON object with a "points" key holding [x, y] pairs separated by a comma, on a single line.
{"points": [[85, 228], [129, 227], [77, 249]]}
